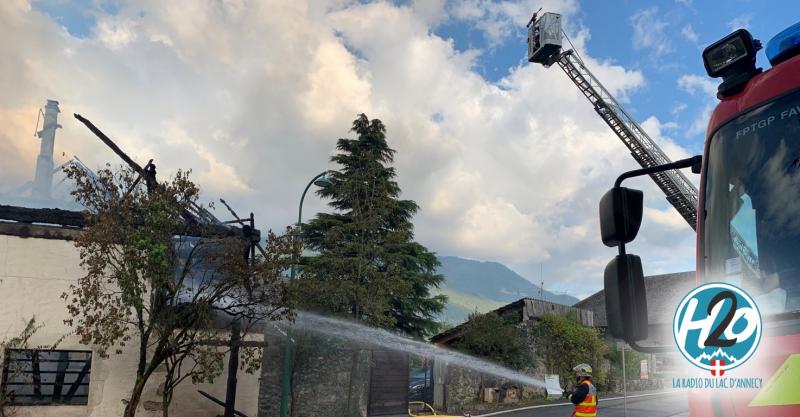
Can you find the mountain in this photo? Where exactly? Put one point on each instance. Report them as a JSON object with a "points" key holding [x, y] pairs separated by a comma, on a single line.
{"points": [[460, 305], [484, 286]]}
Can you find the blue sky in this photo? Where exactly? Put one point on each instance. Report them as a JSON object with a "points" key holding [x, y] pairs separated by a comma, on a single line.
{"points": [[78, 16], [506, 160], [680, 30]]}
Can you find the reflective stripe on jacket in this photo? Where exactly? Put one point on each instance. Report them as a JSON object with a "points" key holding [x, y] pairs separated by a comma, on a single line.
{"points": [[588, 407]]}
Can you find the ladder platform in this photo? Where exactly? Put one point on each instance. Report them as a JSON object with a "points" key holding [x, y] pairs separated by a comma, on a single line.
{"points": [[544, 39]]}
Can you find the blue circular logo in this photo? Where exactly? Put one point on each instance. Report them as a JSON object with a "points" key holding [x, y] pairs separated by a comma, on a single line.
{"points": [[717, 327]]}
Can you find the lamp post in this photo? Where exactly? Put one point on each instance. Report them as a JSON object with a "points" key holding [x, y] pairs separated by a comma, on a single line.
{"points": [[322, 181]]}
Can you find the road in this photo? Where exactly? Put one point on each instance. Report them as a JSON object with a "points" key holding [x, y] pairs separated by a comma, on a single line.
{"points": [[651, 405]]}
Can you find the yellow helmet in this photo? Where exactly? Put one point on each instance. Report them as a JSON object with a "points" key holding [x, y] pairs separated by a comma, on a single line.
{"points": [[584, 370]]}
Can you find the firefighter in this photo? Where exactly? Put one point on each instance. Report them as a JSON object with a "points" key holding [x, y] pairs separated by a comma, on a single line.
{"points": [[585, 395], [535, 30], [533, 18]]}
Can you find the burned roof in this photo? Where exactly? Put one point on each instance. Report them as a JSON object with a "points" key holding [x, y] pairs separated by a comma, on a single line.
{"points": [[63, 224]]}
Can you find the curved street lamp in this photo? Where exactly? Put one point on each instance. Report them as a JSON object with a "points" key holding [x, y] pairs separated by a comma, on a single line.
{"points": [[322, 181]]}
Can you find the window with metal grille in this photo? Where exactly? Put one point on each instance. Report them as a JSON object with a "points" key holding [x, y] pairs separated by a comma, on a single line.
{"points": [[46, 377]]}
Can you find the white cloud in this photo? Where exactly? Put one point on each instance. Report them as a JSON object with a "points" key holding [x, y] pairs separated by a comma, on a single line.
{"points": [[700, 123], [740, 22], [649, 32], [692, 84], [253, 96], [213, 173], [656, 130], [497, 229], [668, 218], [707, 89], [430, 11], [115, 33], [689, 33], [498, 20]]}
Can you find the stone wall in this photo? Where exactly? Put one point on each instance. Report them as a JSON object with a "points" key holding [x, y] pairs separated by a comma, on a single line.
{"points": [[463, 390], [329, 377], [462, 387], [269, 390]]}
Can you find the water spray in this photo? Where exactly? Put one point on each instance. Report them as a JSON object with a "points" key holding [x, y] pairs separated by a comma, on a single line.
{"points": [[367, 335]]}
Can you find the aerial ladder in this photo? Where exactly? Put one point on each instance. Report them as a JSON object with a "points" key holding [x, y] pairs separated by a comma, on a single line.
{"points": [[545, 47]]}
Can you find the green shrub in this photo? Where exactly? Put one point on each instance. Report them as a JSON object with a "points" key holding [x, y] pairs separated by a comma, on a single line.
{"points": [[562, 342], [495, 338]]}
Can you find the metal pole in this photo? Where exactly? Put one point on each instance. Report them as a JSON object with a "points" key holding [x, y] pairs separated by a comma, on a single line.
{"points": [[286, 373], [286, 367], [624, 385], [252, 244], [300, 216], [233, 368]]}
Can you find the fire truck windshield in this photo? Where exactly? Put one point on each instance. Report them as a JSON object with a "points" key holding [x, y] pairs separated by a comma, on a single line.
{"points": [[752, 203]]}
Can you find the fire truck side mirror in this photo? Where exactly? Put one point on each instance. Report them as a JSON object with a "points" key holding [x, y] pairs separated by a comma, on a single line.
{"points": [[626, 302], [620, 215], [697, 164]]}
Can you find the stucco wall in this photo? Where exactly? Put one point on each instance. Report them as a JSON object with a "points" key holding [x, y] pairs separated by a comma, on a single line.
{"points": [[33, 275]]}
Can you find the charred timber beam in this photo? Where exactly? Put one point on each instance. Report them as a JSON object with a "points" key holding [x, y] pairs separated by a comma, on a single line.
{"points": [[42, 215], [110, 143], [193, 223], [220, 402], [27, 230], [77, 219]]}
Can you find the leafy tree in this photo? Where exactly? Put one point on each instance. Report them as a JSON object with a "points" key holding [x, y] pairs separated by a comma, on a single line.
{"points": [[496, 338], [367, 264], [170, 296], [632, 363], [561, 343]]}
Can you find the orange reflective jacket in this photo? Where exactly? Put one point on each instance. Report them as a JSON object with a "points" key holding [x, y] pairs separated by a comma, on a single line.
{"points": [[588, 407]]}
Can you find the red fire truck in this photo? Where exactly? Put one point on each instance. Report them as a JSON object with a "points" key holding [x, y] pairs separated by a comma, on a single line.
{"points": [[748, 220]]}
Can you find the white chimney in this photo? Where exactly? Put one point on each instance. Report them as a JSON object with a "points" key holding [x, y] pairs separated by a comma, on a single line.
{"points": [[44, 164]]}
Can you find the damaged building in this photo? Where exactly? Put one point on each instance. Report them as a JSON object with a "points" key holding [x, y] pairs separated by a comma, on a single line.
{"points": [[54, 374]]}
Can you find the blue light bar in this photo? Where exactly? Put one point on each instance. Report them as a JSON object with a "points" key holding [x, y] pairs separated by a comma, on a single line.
{"points": [[784, 45]]}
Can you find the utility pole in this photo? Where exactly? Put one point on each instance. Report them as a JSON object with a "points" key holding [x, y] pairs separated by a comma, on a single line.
{"points": [[44, 163], [542, 295], [624, 384], [233, 368]]}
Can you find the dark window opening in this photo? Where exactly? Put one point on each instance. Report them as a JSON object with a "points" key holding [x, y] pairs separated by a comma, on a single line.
{"points": [[46, 377]]}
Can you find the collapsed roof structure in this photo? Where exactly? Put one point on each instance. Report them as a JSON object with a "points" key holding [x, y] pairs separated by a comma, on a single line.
{"points": [[35, 213]]}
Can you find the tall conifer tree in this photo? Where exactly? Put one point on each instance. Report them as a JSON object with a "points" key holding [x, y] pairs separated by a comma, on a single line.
{"points": [[366, 263]]}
